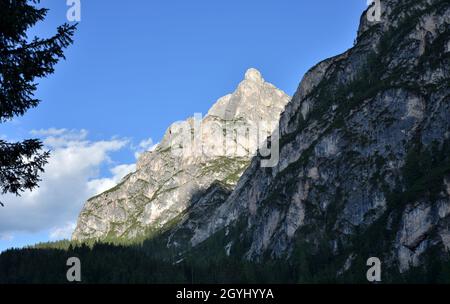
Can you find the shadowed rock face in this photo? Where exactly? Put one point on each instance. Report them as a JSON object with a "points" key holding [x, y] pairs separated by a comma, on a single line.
{"points": [[364, 165], [168, 178], [365, 160]]}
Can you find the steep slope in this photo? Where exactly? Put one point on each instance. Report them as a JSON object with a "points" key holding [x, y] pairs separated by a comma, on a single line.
{"points": [[364, 172], [364, 157], [191, 157]]}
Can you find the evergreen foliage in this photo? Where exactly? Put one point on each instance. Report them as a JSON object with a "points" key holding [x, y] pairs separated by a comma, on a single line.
{"points": [[22, 61]]}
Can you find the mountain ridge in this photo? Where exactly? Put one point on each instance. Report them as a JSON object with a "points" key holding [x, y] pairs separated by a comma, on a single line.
{"points": [[364, 172], [193, 154], [347, 140]]}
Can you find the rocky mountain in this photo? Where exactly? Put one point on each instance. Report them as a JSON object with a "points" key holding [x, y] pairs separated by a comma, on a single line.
{"points": [[194, 156], [364, 156], [364, 165], [363, 171]]}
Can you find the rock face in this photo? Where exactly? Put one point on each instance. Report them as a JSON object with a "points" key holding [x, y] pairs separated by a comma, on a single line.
{"points": [[364, 166], [364, 156], [192, 156]]}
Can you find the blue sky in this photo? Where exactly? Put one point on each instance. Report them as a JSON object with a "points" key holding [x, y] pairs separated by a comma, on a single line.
{"points": [[136, 67]]}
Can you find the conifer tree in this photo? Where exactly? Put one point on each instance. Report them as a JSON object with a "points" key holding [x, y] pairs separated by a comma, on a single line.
{"points": [[22, 61]]}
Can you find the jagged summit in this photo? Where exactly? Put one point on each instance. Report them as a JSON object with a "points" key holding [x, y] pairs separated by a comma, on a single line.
{"points": [[170, 178], [363, 174], [253, 74], [364, 165], [252, 100]]}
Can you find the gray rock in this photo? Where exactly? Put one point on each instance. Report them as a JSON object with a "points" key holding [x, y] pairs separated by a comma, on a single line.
{"points": [[342, 151], [180, 169], [341, 185]]}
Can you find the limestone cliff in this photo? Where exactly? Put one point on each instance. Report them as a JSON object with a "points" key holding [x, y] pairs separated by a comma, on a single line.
{"points": [[192, 156], [364, 157], [364, 166]]}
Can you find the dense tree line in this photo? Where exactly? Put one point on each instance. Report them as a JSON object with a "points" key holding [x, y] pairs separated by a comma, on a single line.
{"points": [[150, 263]]}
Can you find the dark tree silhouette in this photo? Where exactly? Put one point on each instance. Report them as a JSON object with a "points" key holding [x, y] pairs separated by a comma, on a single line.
{"points": [[22, 61]]}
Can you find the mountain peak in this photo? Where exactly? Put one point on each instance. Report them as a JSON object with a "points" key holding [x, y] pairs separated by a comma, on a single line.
{"points": [[169, 179], [254, 99], [253, 74]]}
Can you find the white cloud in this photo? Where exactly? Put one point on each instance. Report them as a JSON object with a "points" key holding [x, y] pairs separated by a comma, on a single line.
{"points": [[55, 139], [48, 132], [100, 185], [144, 146], [6, 237], [63, 232], [70, 178]]}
